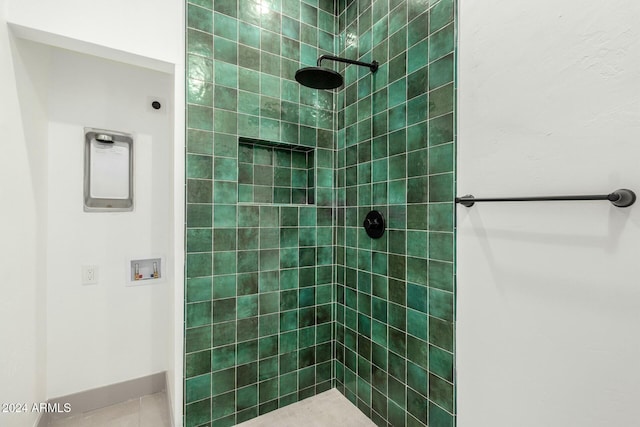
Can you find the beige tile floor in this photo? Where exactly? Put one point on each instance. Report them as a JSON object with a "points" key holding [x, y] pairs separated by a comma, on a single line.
{"points": [[328, 409], [147, 411]]}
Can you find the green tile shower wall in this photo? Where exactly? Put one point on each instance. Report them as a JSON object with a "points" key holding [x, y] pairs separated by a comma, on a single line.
{"points": [[284, 301], [259, 270], [395, 135]]}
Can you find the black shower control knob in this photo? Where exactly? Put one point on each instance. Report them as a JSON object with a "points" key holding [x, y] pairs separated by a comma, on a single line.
{"points": [[371, 223], [374, 224]]}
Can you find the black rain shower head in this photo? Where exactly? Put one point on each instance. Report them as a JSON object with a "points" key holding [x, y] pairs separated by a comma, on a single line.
{"points": [[325, 78]]}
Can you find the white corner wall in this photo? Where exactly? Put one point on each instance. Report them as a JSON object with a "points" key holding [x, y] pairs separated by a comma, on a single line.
{"points": [[144, 28], [548, 293], [22, 227], [106, 333], [44, 308]]}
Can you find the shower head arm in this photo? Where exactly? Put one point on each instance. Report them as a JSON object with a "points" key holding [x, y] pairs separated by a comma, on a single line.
{"points": [[373, 66]]}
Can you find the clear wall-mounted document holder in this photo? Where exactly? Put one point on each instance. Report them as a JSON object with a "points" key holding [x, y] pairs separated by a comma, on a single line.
{"points": [[108, 171]]}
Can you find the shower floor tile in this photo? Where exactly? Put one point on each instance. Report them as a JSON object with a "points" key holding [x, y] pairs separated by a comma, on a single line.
{"points": [[328, 409], [147, 411]]}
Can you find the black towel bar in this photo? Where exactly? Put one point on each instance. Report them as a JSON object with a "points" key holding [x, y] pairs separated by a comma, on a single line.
{"points": [[621, 198]]}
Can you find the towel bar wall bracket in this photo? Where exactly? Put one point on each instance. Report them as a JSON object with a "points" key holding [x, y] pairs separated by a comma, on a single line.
{"points": [[621, 198]]}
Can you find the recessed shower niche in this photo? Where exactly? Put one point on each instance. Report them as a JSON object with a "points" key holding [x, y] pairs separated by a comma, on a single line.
{"points": [[277, 173]]}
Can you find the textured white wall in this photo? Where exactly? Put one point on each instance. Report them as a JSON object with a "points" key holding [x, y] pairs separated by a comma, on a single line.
{"points": [[106, 333], [548, 293]]}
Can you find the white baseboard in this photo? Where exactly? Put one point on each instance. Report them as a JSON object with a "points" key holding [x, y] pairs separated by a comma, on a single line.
{"points": [[101, 397]]}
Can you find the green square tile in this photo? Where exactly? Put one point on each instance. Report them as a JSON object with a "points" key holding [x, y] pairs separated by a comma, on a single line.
{"points": [[268, 390], [199, 289], [269, 280], [199, 264], [441, 188], [438, 417], [224, 286], [398, 191], [247, 397], [225, 26], [268, 346], [289, 279], [223, 405], [441, 14], [247, 352], [441, 392], [198, 314], [441, 304], [417, 83], [223, 357], [269, 303], [269, 238], [289, 257], [199, 117], [417, 324], [224, 310], [269, 324], [417, 243], [247, 306], [248, 238], [247, 80], [418, 190], [198, 240], [199, 215], [441, 42], [224, 216], [223, 381], [249, 34], [441, 129], [268, 368], [199, 166], [441, 275], [199, 191], [441, 333], [226, 74], [199, 142], [197, 339], [224, 333], [441, 216], [441, 246], [441, 363], [199, 43], [225, 192], [197, 363], [417, 405], [199, 18], [224, 263], [229, 7], [417, 270], [198, 413], [247, 283], [199, 92]]}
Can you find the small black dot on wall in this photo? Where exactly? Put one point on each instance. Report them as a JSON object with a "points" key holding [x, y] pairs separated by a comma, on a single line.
{"points": [[156, 105]]}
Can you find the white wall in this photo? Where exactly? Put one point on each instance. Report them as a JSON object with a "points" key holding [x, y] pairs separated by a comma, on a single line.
{"points": [[147, 28], [548, 294], [88, 337], [175, 372], [22, 186], [106, 333]]}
